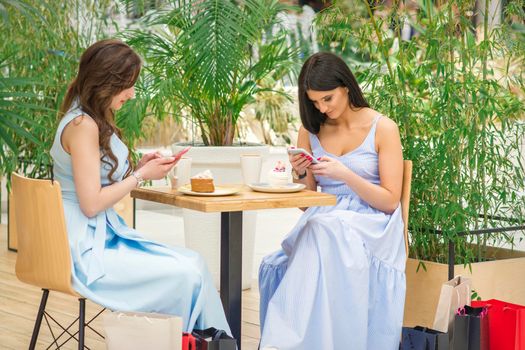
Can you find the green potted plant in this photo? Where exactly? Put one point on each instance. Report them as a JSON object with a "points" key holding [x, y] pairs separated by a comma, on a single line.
{"points": [[454, 91], [203, 62]]}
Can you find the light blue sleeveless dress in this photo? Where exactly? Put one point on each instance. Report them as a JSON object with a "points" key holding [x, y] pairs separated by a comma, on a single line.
{"points": [[117, 268], [339, 281]]}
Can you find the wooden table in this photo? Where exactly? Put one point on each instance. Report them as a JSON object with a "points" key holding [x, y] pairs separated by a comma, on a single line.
{"points": [[231, 208]]}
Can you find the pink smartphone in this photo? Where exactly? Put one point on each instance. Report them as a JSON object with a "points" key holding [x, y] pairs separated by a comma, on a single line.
{"points": [[181, 153]]}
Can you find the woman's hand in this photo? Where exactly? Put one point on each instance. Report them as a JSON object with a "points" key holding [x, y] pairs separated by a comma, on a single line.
{"points": [[157, 168], [146, 158], [330, 167], [299, 162]]}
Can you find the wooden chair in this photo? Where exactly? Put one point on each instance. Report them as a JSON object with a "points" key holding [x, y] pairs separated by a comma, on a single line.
{"points": [[405, 196], [44, 258]]}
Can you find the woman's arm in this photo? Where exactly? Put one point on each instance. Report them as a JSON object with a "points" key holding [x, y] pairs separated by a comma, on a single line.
{"points": [[80, 140], [386, 195], [301, 164]]}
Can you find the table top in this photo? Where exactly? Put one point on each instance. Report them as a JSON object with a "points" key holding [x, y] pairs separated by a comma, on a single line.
{"points": [[246, 199]]}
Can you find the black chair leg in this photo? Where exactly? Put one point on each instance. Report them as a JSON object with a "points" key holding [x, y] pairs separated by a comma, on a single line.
{"points": [[39, 317], [81, 323]]}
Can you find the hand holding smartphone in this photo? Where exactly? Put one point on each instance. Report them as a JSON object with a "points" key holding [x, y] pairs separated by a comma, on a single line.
{"points": [[295, 151]]}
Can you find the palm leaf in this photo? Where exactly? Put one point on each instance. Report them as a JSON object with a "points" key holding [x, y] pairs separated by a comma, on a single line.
{"points": [[12, 110]]}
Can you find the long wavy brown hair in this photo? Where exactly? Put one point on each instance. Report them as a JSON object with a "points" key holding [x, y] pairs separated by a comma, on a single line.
{"points": [[106, 68]]}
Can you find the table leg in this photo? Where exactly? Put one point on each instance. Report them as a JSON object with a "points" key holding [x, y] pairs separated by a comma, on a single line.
{"points": [[231, 270]]}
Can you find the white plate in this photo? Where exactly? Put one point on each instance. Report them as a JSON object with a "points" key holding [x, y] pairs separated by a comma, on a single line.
{"points": [[266, 187], [219, 191]]}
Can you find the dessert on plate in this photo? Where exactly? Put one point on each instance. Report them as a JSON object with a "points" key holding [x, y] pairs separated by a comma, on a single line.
{"points": [[202, 182], [278, 175]]}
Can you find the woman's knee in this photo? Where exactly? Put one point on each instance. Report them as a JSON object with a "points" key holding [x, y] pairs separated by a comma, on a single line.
{"points": [[275, 259], [188, 274], [200, 262], [315, 226]]}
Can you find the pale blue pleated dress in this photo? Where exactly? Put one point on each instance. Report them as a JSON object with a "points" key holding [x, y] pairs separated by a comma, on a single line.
{"points": [[116, 267], [339, 280]]}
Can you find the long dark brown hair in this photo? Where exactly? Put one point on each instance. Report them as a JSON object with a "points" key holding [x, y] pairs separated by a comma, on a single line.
{"points": [[325, 71], [106, 68]]}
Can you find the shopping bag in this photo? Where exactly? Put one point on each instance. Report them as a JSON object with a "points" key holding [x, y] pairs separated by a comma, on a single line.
{"points": [[471, 329], [138, 331], [454, 294], [422, 338], [214, 339], [506, 324]]}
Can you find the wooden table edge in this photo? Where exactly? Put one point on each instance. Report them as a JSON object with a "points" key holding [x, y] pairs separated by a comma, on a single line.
{"points": [[234, 202]]}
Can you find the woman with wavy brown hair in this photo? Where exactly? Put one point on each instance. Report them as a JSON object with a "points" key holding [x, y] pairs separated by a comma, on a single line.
{"points": [[113, 264]]}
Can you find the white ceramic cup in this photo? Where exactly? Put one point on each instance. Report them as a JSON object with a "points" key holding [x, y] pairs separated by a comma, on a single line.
{"points": [[251, 168], [180, 174]]}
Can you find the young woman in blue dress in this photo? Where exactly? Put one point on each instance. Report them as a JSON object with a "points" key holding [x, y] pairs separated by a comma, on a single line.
{"points": [[339, 280], [113, 264]]}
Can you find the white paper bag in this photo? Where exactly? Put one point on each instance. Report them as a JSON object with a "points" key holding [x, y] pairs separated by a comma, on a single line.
{"points": [[139, 331], [455, 293]]}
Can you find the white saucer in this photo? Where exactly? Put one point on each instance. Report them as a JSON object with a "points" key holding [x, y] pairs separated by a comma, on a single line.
{"points": [[219, 191], [266, 187]]}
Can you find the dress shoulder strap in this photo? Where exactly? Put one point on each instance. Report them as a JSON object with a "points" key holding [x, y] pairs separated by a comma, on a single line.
{"points": [[314, 140], [371, 137], [374, 123]]}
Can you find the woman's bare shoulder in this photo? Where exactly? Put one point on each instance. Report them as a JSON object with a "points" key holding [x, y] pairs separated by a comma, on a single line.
{"points": [[82, 123], [80, 129], [302, 131], [387, 134], [303, 138], [385, 125]]}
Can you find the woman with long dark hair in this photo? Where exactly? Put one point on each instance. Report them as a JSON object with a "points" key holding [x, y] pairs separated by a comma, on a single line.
{"points": [[339, 280], [112, 264]]}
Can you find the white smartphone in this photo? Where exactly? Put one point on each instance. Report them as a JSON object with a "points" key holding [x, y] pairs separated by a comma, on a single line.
{"points": [[302, 151]]}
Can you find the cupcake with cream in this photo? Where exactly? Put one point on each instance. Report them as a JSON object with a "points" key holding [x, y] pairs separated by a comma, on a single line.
{"points": [[278, 175]]}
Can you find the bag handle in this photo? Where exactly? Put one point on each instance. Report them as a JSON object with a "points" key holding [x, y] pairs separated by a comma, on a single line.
{"points": [[481, 311], [220, 334], [458, 297], [215, 334]]}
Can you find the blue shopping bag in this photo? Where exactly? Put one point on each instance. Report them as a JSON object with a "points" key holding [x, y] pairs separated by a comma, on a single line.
{"points": [[422, 338]]}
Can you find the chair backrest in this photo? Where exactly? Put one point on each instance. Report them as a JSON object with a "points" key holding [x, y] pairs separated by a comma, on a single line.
{"points": [[44, 258], [405, 196]]}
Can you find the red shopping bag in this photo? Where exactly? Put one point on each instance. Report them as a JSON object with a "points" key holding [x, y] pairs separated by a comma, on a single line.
{"points": [[506, 324], [188, 341]]}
